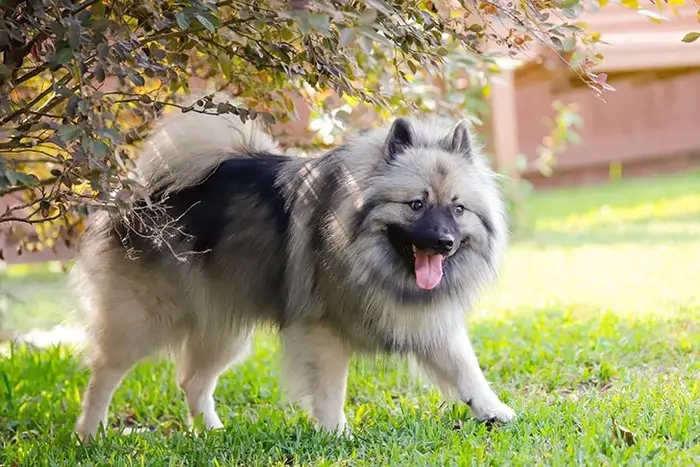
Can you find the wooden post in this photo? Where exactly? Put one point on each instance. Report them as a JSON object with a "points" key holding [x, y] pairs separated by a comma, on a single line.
{"points": [[503, 124]]}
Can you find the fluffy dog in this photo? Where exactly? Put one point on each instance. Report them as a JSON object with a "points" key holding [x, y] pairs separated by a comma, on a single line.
{"points": [[380, 245]]}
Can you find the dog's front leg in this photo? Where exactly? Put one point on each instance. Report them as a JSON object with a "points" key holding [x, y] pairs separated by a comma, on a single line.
{"points": [[316, 369], [453, 366]]}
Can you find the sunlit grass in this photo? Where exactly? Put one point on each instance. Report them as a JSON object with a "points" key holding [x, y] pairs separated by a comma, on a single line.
{"points": [[605, 215]]}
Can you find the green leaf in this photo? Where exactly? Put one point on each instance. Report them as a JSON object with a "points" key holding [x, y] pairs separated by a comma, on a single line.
{"points": [[98, 10], [68, 132], [691, 37], [572, 13], [72, 105], [206, 23], [182, 20], [137, 79], [157, 52], [99, 148], [21, 179], [100, 73], [343, 116], [557, 42], [62, 55], [112, 134], [287, 34]]}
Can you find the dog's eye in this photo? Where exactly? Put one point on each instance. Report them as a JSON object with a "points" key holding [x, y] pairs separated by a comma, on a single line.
{"points": [[416, 205], [459, 209]]}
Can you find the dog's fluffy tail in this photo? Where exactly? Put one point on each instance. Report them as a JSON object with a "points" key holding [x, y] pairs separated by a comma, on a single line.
{"points": [[184, 148]]}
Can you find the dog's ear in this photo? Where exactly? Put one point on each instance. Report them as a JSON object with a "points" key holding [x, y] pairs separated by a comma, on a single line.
{"points": [[460, 140], [400, 137]]}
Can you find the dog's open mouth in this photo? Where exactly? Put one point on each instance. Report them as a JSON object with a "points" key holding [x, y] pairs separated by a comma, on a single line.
{"points": [[427, 267]]}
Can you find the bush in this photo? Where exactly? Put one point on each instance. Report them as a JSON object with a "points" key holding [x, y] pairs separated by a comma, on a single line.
{"points": [[82, 81]]}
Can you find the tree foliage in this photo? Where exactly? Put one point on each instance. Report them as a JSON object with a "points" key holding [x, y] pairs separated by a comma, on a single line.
{"points": [[82, 81]]}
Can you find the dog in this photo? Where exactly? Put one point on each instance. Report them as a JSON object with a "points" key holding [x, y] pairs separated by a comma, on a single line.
{"points": [[379, 245]]}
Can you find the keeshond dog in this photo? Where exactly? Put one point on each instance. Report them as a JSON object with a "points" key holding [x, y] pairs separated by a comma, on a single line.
{"points": [[378, 246]]}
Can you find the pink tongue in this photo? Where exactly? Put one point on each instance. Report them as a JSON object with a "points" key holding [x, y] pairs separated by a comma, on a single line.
{"points": [[428, 270]]}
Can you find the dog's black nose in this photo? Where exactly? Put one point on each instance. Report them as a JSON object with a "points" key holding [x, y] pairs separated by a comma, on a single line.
{"points": [[444, 244]]}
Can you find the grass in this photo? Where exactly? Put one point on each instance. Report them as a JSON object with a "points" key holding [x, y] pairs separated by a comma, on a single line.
{"points": [[593, 336]]}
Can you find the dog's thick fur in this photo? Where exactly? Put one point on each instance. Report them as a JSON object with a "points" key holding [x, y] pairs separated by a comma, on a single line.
{"points": [[338, 251]]}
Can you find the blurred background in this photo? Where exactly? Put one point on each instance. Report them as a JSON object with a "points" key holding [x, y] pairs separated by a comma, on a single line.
{"points": [[603, 187]]}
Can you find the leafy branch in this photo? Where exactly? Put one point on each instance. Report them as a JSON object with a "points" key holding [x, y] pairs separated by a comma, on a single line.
{"points": [[82, 82]]}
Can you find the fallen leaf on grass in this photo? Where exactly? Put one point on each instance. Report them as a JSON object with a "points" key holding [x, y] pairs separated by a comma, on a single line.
{"points": [[128, 423], [622, 433]]}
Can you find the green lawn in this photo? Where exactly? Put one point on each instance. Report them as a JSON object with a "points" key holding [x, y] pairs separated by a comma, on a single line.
{"points": [[595, 324]]}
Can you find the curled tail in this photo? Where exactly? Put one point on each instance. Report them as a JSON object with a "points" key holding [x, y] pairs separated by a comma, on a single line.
{"points": [[185, 147]]}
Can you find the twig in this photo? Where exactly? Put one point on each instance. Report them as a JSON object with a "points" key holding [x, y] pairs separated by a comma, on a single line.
{"points": [[184, 32], [15, 189], [27, 220], [34, 101]]}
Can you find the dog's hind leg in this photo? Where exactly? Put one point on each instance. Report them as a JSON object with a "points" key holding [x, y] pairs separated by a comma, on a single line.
{"points": [[203, 359], [316, 370], [104, 380], [120, 338]]}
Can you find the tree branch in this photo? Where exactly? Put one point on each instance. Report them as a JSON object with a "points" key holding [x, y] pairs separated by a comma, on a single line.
{"points": [[15, 189], [30, 221], [34, 101], [184, 32]]}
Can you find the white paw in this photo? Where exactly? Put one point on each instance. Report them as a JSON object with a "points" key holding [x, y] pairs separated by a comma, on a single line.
{"points": [[214, 424], [340, 429], [205, 421], [85, 437], [87, 432], [492, 410]]}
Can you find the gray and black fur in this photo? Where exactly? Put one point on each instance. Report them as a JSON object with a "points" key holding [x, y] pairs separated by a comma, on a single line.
{"points": [[324, 248]]}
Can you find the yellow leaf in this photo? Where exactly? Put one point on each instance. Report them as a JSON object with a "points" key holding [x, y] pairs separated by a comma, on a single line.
{"points": [[677, 2], [691, 37], [603, 3], [630, 4]]}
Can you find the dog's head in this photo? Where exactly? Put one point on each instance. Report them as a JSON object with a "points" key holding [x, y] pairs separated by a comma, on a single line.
{"points": [[432, 218]]}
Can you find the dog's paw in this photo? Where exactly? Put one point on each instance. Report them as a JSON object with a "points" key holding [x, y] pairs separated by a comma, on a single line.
{"points": [[85, 437], [492, 411], [341, 429], [344, 432]]}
